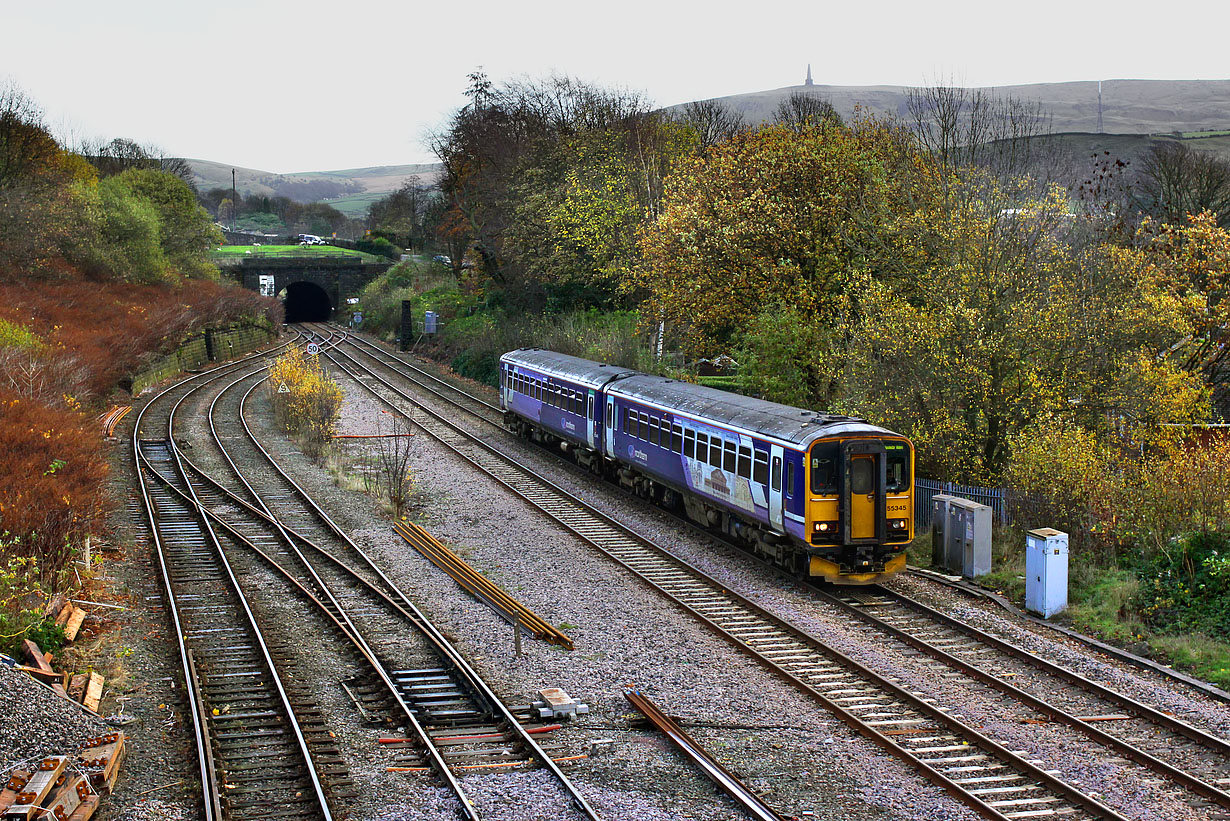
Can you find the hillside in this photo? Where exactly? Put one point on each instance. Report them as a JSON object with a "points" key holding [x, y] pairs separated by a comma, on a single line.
{"points": [[349, 190], [1128, 106]]}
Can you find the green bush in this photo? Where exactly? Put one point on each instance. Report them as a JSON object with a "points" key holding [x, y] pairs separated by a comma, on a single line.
{"points": [[22, 603], [1186, 587], [380, 247]]}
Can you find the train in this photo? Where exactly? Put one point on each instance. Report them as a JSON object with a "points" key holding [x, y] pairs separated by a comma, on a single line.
{"points": [[819, 495]]}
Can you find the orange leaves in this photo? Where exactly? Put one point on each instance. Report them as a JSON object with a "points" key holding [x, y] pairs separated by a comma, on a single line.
{"points": [[51, 478]]}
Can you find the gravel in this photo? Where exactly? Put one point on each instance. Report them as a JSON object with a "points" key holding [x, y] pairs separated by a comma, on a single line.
{"points": [[804, 761]]}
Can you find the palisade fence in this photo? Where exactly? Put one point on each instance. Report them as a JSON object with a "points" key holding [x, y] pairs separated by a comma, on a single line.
{"points": [[925, 490]]}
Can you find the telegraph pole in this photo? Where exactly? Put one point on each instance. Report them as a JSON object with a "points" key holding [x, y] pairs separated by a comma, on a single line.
{"points": [[233, 200]]}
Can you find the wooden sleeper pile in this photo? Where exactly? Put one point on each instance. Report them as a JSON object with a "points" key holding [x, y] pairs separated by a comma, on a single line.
{"points": [[65, 788]]}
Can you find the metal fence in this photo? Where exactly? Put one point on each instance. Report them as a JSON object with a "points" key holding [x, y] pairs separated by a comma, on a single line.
{"points": [[926, 489]]}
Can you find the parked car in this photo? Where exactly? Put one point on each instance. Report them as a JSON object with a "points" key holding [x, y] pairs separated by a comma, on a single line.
{"points": [[442, 259], [310, 239]]}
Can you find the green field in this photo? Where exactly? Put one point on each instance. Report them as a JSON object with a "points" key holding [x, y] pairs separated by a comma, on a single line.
{"points": [[232, 252], [1200, 135], [355, 205]]}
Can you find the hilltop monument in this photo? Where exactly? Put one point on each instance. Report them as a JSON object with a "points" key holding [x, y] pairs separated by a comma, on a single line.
{"points": [[808, 81]]}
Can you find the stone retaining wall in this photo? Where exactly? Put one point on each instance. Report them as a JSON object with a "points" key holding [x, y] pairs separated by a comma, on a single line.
{"points": [[198, 351]]}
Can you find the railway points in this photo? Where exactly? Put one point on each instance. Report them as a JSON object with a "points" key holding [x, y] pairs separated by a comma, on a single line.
{"points": [[1208, 790]]}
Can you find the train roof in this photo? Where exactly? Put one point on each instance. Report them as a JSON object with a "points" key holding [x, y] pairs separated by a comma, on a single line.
{"points": [[790, 424], [594, 374]]}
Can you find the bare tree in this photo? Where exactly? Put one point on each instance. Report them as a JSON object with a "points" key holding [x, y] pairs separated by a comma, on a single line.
{"points": [[26, 146], [963, 127], [801, 109], [713, 122], [120, 154], [393, 478], [1176, 181]]}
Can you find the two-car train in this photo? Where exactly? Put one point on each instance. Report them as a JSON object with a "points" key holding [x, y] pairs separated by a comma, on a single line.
{"points": [[818, 494]]}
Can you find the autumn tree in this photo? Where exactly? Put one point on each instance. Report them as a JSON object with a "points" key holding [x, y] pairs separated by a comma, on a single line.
{"points": [[186, 232], [554, 178], [1017, 312], [1191, 260], [765, 219]]}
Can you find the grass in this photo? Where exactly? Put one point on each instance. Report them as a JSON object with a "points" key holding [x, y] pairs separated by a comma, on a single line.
{"points": [[228, 252], [1101, 603], [1198, 135], [355, 205]]}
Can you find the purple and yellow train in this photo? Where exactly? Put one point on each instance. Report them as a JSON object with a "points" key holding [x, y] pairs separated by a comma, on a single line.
{"points": [[819, 495]]}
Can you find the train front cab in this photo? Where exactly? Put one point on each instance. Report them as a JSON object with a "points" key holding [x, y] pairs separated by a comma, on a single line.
{"points": [[860, 512]]}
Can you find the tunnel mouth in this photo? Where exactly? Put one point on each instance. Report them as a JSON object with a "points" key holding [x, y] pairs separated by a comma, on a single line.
{"points": [[306, 302]]}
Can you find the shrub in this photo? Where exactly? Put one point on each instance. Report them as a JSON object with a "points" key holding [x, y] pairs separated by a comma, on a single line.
{"points": [[22, 602], [51, 484], [380, 247], [1186, 587], [311, 403]]}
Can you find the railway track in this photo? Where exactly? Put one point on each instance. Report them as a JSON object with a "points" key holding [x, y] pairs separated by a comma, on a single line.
{"points": [[454, 718], [1190, 757], [251, 736], [993, 780], [434, 689]]}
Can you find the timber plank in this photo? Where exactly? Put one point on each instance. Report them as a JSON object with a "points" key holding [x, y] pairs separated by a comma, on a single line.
{"points": [[73, 625], [93, 691]]}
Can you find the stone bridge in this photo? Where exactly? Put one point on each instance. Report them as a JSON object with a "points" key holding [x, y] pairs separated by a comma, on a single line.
{"points": [[312, 288]]}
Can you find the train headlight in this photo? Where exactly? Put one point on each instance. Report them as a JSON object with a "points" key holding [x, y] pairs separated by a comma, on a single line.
{"points": [[825, 527], [898, 525]]}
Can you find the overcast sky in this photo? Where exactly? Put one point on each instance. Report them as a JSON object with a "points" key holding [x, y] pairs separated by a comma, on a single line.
{"points": [[313, 86]]}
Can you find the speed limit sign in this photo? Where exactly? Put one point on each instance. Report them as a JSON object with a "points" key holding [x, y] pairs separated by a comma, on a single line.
{"points": [[313, 349]]}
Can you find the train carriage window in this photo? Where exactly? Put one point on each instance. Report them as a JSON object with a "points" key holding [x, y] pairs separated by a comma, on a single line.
{"points": [[590, 413], [760, 468], [689, 443], [745, 462], [825, 457], [730, 461], [790, 478], [862, 476], [653, 430], [702, 447], [676, 438], [624, 421], [581, 399], [897, 468], [777, 474], [538, 389], [715, 451], [610, 414]]}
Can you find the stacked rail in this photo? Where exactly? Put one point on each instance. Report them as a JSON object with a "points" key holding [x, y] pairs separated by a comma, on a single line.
{"points": [[475, 583]]}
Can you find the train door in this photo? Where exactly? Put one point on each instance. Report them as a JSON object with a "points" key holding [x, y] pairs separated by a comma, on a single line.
{"points": [[609, 430], [591, 422], [775, 488], [863, 494]]}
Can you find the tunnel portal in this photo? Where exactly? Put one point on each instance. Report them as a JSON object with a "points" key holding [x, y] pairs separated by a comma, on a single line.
{"points": [[306, 302]]}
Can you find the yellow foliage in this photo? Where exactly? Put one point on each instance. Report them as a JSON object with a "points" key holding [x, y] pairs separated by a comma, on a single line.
{"points": [[306, 401]]}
